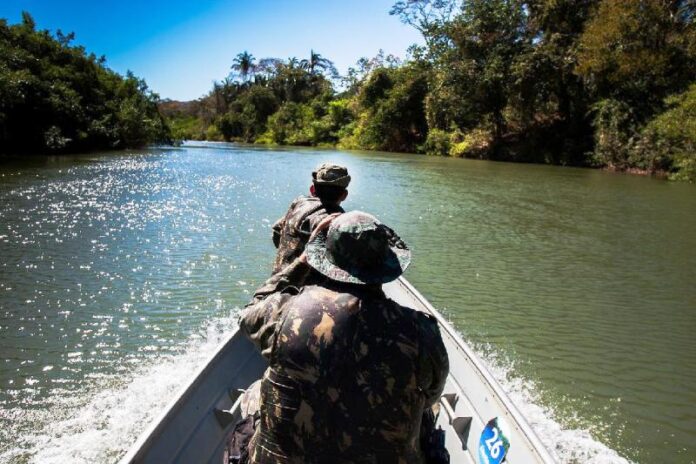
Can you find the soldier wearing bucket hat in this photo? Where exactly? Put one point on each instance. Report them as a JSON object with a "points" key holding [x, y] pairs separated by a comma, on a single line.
{"points": [[351, 372], [291, 232]]}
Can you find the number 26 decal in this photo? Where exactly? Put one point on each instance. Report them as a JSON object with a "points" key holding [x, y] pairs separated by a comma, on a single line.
{"points": [[493, 445]]}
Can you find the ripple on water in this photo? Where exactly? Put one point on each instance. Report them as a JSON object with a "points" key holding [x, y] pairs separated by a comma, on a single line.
{"points": [[577, 286]]}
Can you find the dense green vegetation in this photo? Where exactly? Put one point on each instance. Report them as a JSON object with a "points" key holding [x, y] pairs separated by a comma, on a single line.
{"points": [[605, 83], [54, 97]]}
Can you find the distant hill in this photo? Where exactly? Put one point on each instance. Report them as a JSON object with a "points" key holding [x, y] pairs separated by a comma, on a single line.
{"points": [[175, 108], [190, 120]]}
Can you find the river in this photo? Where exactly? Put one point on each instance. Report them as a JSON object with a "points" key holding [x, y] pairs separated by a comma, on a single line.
{"points": [[120, 272]]}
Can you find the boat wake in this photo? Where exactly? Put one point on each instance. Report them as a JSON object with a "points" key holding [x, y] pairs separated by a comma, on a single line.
{"points": [[567, 445], [101, 426]]}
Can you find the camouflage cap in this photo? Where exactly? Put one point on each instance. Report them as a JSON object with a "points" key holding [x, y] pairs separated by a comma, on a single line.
{"points": [[331, 174], [358, 249]]}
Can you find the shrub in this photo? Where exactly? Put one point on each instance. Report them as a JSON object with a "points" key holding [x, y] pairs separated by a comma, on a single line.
{"points": [[187, 128], [670, 138], [615, 133], [473, 144], [291, 124], [213, 134], [437, 143], [231, 125]]}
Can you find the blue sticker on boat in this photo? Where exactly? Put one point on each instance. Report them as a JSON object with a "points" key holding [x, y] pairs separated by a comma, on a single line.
{"points": [[493, 445]]}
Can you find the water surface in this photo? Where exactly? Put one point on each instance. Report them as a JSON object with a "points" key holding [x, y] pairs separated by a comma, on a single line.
{"points": [[120, 272]]}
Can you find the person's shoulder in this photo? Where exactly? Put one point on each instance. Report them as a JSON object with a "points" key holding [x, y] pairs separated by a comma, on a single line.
{"points": [[299, 200], [429, 326], [298, 205], [431, 338], [306, 199], [319, 292], [303, 202], [398, 311], [313, 300], [425, 322]]}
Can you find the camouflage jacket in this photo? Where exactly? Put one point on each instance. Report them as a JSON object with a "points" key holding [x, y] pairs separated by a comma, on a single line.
{"points": [[292, 231], [350, 373]]}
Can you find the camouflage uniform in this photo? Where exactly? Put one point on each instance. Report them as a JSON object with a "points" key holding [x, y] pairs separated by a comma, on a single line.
{"points": [[350, 373], [292, 231]]}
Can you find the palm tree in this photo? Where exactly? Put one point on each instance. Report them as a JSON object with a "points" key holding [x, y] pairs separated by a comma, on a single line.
{"points": [[317, 63], [293, 62], [244, 65]]}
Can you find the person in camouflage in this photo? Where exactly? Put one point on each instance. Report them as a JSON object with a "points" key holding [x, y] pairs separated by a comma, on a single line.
{"points": [[351, 372], [291, 232]]}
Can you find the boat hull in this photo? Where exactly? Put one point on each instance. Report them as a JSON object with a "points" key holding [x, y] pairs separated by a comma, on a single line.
{"points": [[193, 428]]}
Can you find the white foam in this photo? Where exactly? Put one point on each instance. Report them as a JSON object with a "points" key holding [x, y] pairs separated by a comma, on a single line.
{"points": [[565, 444], [105, 427], [108, 423]]}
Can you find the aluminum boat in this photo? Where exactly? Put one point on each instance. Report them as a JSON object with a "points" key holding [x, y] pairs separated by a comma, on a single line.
{"points": [[480, 422]]}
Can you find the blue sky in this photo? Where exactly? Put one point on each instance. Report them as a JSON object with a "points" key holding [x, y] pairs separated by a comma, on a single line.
{"points": [[181, 46]]}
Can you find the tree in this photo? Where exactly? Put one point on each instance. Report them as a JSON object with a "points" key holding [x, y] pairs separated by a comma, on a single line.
{"points": [[632, 55], [317, 64], [549, 103], [248, 114], [357, 74], [391, 110], [484, 40], [638, 51], [291, 124], [426, 16], [244, 65], [668, 141], [28, 21], [268, 67], [55, 97]]}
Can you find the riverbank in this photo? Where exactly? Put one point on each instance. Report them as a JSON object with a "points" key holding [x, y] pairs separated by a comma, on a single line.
{"points": [[617, 93], [22, 158], [660, 174], [520, 95], [638, 172], [664, 147]]}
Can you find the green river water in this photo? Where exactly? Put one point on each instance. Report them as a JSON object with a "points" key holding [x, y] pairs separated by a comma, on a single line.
{"points": [[120, 272]]}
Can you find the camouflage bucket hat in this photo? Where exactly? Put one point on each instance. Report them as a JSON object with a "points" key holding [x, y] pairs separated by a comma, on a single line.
{"points": [[358, 249], [332, 175]]}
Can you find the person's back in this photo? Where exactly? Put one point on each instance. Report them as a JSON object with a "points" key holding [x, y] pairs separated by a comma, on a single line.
{"points": [[349, 379], [292, 231], [350, 371]]}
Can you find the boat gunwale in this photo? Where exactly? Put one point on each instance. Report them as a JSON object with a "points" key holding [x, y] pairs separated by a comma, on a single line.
{"points": [[485, 374], [148, 435]]}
